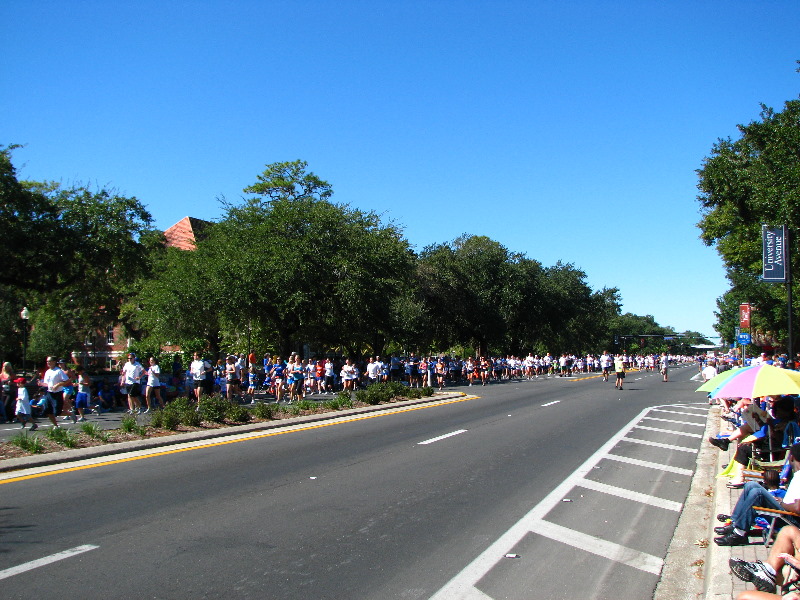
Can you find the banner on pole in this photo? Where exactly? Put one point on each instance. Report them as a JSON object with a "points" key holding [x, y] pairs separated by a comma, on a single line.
{"points": [[774, 244], [744, 316]]}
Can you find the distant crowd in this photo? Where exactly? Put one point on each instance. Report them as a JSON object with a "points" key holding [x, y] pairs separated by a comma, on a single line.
{"points": [[69, 392]]}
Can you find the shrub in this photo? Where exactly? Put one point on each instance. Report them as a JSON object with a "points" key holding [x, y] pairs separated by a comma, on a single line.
{"points": [[214, 408], [171, 419], [128, 424], [94, 431], [332, 404], [427, 391], [62, 437], [307, 405], [414, 393], [29, 443], [157, 419], [237, 413], [262, 410], [344, 399], [191, 417]]}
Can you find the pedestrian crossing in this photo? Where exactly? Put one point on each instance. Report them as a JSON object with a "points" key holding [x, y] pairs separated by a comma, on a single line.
{"points": [[637, 482]]}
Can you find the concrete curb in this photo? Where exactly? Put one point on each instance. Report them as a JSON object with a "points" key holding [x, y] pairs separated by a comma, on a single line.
{"points": [[66, 456]]}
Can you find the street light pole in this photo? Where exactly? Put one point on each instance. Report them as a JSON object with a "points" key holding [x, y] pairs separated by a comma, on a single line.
{"points": [[25, 315]]}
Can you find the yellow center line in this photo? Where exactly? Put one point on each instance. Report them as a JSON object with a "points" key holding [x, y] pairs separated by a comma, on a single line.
{"points": [[244, 438]]}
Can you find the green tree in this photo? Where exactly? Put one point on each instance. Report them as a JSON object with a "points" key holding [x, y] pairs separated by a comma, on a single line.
{"points": [[745, 182], [72, 252], [296, 264]]}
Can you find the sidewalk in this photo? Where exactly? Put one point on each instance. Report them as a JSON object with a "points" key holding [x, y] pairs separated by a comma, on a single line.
{"points": [[695, 567]]}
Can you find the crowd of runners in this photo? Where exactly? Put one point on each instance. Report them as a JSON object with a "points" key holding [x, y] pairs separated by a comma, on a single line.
{"points": [[141, 386]]}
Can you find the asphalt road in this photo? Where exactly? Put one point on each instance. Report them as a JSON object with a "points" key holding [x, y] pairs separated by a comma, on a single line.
{"points": [[582, 484]]}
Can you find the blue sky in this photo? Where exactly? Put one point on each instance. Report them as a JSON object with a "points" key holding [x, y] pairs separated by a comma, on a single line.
{"points": [[564, 130]]}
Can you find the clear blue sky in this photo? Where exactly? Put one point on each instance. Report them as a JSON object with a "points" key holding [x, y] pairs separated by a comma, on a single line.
{"points": [[564, 130]]}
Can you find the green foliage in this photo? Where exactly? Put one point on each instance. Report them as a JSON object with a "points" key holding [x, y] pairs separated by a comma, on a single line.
{"points": [[214, 408], [237, 413], [307, 405], [62, 437], [72, 251], [427, 391], [94, 431], [128, 424], [262, 410], [28, 442], [333, 404], [414, 393], [344, 399], [745, 182]]}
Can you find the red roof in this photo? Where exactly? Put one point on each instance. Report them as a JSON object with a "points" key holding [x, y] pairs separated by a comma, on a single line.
{"points": [[185, 233]]}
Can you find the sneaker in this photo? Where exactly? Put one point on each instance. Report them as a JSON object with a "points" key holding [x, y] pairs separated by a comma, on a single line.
{"points": [[147, 410], [732, 539], [724, 530], [722, 517], [721, 443], [82, 420], [754, 572], [34, 427]]}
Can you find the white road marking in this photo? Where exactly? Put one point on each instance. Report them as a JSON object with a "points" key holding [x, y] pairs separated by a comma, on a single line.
{"points": [[659, 445], [649, 465], [669, 431], [619, 492], [674, 421], [675, 412], [551, 403], [462, 585], [34, 564], [600, 547], [441, 437]]}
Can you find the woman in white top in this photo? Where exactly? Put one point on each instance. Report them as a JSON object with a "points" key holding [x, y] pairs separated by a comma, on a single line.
{"points": [[153, 384]]}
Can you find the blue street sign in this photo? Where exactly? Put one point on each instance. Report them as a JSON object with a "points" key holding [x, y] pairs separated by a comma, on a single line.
{"points": [[744, 339]]}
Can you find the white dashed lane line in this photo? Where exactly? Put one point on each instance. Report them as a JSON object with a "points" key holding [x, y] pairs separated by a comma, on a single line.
{"points": [[441, 437], [40, 562]]}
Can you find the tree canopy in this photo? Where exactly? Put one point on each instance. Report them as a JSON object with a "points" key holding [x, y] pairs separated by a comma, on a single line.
{"points": [[743, 184]]}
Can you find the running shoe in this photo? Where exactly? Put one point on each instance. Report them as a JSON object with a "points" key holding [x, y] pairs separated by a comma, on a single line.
{"points": [[753, 572]]}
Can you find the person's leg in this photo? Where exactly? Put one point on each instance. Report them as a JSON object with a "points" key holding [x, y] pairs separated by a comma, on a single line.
{"points": [[753, 494]]}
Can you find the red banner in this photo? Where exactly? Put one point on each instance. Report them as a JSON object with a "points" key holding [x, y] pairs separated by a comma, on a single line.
{"points": [[744, 316]]}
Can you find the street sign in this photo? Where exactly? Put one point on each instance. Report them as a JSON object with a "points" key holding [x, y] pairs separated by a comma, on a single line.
{"points": [[744, 339]]}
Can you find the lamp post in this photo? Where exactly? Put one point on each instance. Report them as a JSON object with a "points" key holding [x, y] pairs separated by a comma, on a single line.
{"points": [[25, 315]]}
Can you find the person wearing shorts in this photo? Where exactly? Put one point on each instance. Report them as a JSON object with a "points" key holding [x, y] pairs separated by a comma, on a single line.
{"points": [[54, 381], [84, 392], [132, 373], [619, 369], [277, 374], [153, 385]]}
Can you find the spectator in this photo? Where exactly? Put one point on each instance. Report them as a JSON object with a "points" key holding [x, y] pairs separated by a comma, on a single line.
{"points": [[7, 391], [754, 494], [23, 408], [767, 576]]}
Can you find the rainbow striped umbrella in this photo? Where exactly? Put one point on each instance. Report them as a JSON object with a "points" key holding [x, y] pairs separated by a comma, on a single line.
{"points": [[753, 382]]}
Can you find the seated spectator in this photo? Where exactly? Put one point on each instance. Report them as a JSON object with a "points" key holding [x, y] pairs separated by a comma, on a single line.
{"points": [[768, 437], [754, 494], [767, 576]]}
